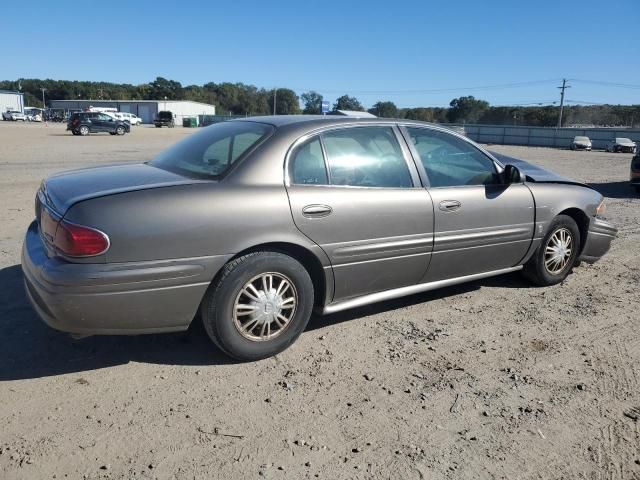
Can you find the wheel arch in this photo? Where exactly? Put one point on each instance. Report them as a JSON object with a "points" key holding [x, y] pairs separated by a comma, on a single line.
{"points": [[582, 220], [307, 259]]}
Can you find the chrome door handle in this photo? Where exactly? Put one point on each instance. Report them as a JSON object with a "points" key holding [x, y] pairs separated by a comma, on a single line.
{"points": [[450, 205], [316, 211]]}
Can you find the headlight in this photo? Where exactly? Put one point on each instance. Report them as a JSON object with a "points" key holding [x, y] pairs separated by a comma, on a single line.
{"points": [[601, 209]]}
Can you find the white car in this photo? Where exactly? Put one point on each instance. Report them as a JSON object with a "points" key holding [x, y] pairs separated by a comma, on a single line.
{"points": [[126, 117], [13, 115], [581, 143]]}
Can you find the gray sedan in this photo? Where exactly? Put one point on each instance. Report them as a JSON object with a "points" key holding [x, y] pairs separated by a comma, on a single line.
{"points": [[250, 225]]}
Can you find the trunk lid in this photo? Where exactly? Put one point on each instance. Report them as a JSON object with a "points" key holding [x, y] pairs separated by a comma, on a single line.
{"points": [[61, 191]]}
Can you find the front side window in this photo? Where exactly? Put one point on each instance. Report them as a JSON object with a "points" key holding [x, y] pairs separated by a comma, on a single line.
{"points": [[211, 152], [450, 161], [366, 157]]}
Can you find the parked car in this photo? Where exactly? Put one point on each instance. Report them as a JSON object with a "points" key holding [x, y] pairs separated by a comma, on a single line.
{"points": [[131, 118], [251, 224], [14, 115], [164, 119], [634, 175], [581, 143], [620, 144], [83, 123]]}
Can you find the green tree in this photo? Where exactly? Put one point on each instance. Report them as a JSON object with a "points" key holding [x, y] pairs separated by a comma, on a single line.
{"points": [[384, 109], [312, 103], [346, 102], [162, 88], [466, 109], [287, 102]]}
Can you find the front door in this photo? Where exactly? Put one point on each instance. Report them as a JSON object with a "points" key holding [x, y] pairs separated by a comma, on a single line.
{"points": [[481, 224], [353, 192]]}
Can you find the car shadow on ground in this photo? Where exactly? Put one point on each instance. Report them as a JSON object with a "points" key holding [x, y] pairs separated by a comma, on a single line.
{"points": [[30, 349], [615, 189]]}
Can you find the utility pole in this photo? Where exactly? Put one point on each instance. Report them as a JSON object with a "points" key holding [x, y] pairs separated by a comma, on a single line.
{"points": [[43, 104], [275, 93], [562, 89]]}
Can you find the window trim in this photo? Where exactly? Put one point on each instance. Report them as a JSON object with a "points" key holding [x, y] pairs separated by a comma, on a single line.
{"points": [[418, 161], [414, 173]]}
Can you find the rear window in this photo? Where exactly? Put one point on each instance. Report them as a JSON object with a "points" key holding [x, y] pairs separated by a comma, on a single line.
{"points": [[211, 152]]}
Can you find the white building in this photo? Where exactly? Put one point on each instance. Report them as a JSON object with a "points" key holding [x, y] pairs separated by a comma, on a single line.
{"points": [[11, 101], [145, 109]]}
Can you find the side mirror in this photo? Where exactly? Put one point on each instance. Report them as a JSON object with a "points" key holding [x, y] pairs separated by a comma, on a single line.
{"points": [[511, 174]]}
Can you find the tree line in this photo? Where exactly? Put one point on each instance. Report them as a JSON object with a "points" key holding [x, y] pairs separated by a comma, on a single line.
{"points": [[244, 99]]}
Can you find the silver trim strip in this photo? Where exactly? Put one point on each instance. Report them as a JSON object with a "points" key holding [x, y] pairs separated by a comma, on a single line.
{"points": [[410, 290], [382, 247], [447, 237]]}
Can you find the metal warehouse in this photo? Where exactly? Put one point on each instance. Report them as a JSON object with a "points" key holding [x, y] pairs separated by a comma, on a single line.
{"points": [[11, 101], [145, 109]]}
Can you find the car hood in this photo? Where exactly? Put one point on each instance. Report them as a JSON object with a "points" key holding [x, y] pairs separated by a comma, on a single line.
{"points": [[63, 190], [535, 173]]}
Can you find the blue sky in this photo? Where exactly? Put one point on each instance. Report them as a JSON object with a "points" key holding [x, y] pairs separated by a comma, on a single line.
{"points": [[415, 53]]}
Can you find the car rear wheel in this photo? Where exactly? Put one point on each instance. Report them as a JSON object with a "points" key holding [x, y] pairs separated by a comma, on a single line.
{"points": [[84, 130], [556, 256], [259, 306], [120, 130]]}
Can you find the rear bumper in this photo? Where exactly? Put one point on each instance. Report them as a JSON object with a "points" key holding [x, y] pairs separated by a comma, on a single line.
{"points": [[117, 298], [599, 239]]}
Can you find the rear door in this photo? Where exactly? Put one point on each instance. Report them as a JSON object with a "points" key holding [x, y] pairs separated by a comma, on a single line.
{"points": [[353, 192], [481, 224]]}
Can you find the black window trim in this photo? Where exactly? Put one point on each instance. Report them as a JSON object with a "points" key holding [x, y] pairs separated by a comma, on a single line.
{"points": [[410, 163], [418, 162]]}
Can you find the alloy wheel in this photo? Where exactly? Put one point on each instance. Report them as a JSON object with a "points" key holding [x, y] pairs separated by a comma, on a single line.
{"points": [[557, 252], [265, 306]]}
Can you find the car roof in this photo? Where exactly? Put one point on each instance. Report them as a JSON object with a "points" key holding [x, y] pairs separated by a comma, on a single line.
{"points": [[313, 121]]}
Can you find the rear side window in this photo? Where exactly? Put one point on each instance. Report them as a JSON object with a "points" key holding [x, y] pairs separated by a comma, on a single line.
{"points": [[366, 157], [211, 152], [450, 161], [307, 164]]}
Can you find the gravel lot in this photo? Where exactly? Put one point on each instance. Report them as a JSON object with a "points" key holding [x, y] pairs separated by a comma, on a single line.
{"points": [[493, 379]]}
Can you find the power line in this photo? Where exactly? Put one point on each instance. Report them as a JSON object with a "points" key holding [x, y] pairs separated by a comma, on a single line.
{"points": [[435, 90], [607, 84]]}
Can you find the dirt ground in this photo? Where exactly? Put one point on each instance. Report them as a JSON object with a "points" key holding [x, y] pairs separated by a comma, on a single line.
{"points": [[489, 380]]}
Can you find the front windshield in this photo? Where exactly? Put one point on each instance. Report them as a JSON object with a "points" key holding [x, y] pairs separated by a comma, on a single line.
{"points": [[623, 140], [581, 139], [211, 152]]}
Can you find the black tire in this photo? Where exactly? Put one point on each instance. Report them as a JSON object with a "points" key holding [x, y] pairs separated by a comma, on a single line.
{"points": [[637, 188], [120, 130], [83, 130], [217, 308], [536, 270], [112, 133]]}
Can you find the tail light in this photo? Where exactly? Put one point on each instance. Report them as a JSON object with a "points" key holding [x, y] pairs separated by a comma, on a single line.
{"points": [[78, 241]]}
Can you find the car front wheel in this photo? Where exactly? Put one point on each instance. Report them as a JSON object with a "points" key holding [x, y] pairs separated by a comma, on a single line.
{"points": [[259, 306], [557, 253], [84, 130], [120, 130]]}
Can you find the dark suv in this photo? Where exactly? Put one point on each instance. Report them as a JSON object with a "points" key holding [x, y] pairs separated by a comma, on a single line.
{"points": [[83, 123], [164, 119]]}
